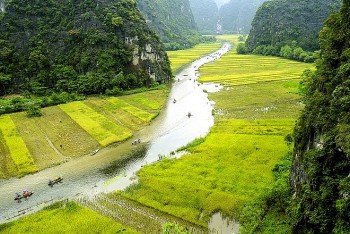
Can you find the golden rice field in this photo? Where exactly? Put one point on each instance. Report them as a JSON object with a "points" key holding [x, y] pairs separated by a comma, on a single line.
{"points": [[73, 129], [234, 69], [253, 113], [180, 58]]}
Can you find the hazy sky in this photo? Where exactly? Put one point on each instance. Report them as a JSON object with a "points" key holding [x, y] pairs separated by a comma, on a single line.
{"points": [[221, 2]]}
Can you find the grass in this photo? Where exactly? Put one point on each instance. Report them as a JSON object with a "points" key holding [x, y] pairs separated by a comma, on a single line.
{"points": [[233, 166], [180, 58], [64, 217], [16, 146], [98, 126]]}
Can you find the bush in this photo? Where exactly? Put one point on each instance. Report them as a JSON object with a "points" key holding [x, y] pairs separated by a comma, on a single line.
{"points": [[242, 48]]}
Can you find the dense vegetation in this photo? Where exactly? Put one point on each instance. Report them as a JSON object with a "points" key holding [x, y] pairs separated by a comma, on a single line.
{"points": [[236, 16], [289, 28], [174, 22], [321, 165], [83, 47], [205, 13]]}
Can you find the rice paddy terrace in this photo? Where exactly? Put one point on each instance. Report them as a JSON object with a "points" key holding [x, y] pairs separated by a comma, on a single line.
{"points": [[73, 129]]}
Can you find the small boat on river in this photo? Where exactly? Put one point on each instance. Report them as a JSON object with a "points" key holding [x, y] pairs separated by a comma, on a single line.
{"points": [[94, 152], [56, 180], [25, 194]]}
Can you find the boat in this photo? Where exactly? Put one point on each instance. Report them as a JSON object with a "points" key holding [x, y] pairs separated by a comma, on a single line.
{"points": [[24, 194], [55, 181], [94, 152]]}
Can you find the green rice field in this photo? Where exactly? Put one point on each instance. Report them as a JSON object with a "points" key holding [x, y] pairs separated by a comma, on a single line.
{"points": [[253, 113], [72, 130], [181, 58], [64, 217]]}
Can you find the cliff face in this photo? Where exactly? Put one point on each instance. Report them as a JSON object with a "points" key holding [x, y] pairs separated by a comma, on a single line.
{"points": [[172, 20], [279, 22], [237, 15], [44, 41], [206, 15], [320, 174]]}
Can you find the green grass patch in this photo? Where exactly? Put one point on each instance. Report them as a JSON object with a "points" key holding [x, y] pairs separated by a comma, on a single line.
{"points": [[217, 175], [98, 126], [64, 217], [180, 58], [16, 146]]}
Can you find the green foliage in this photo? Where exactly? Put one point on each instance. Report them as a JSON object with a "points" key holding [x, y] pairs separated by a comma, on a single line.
{"points": [[278, 23], [321, 165], [242, 49], [77, 47], [173, 21], [171, 228], [33, 110]]}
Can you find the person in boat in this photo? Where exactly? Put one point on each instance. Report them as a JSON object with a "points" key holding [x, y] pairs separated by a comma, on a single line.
{"points": [[18, 195], [174, 101], [139, 140], [26, 193], [51, 181]]}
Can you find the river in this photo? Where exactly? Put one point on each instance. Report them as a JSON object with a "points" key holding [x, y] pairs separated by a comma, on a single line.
{"points": [[83, 176]]}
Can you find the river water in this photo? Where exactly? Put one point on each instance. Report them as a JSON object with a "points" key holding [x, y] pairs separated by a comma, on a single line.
{"points": [[83, 177]]}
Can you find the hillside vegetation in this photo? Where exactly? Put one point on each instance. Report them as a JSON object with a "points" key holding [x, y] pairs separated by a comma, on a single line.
{"points": [[295, 23], [83, 47], [321, 165], [173, 21], [73, 129]]}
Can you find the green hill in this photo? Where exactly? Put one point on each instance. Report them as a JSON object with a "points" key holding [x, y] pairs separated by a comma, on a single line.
{"points": [[79, 46], [280, 22], [173, 21]]}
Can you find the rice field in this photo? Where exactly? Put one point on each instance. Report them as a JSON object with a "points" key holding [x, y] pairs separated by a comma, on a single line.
{"points": [[73, 130], [64, 217], [17, 148], [253, 113], [234, 69], [180, 58]]}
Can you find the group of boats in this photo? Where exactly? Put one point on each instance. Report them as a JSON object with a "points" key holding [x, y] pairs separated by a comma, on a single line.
{"points": [[25, 194]]}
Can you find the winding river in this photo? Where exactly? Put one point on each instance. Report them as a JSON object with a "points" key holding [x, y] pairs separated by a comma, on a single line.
{"points": [[84, 177]]}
